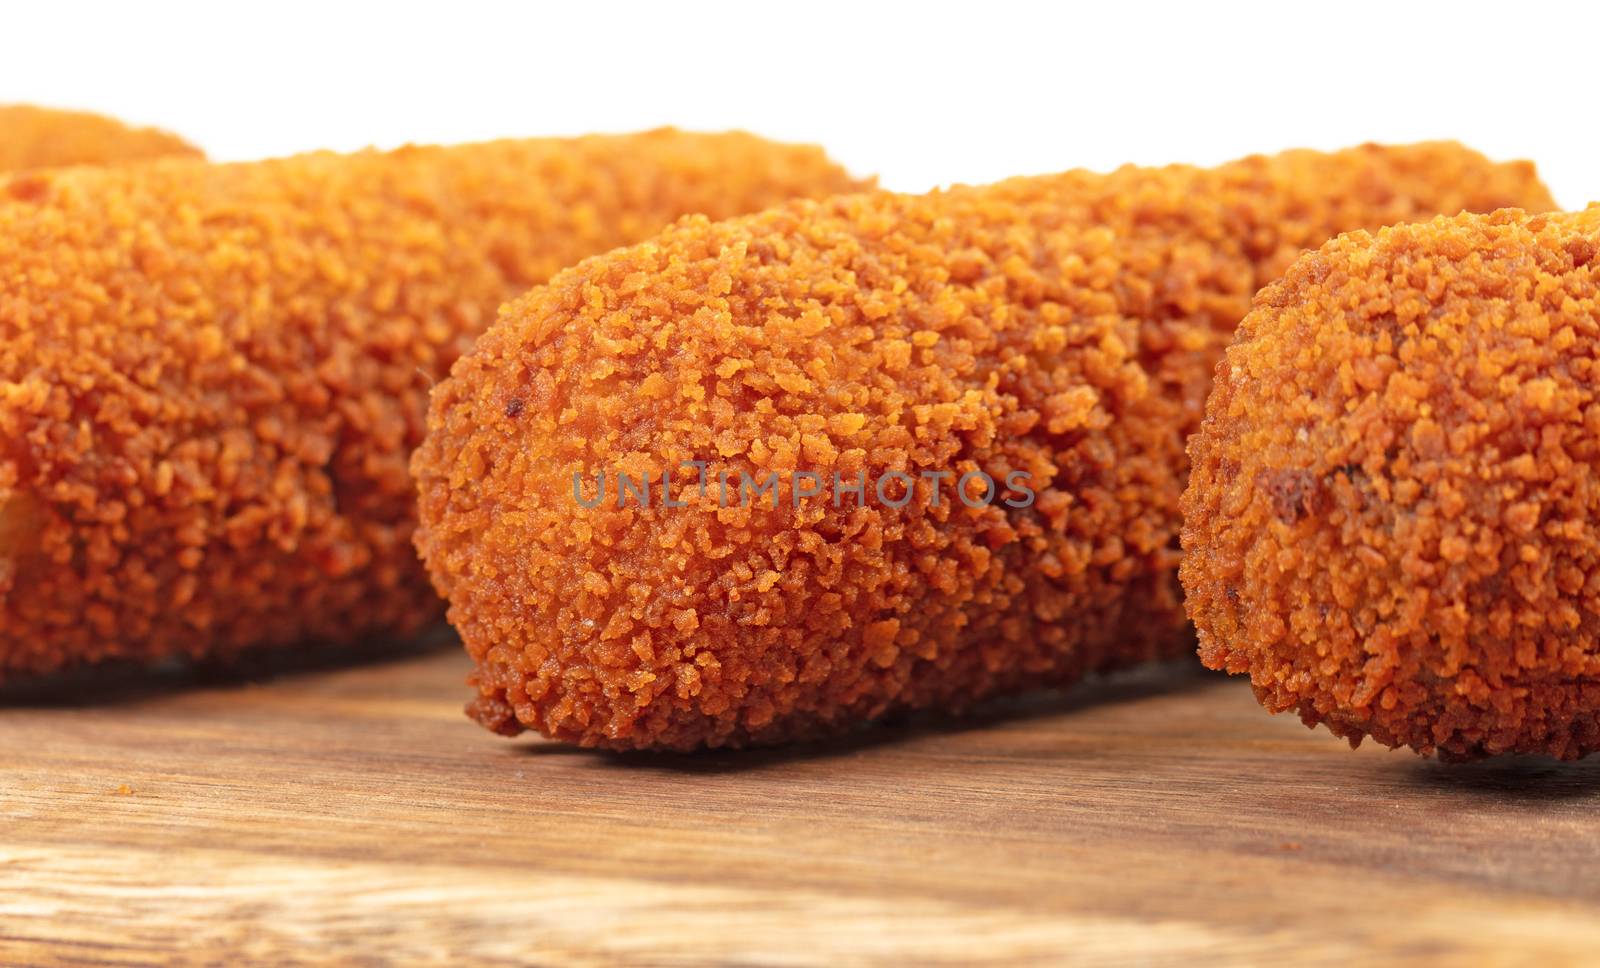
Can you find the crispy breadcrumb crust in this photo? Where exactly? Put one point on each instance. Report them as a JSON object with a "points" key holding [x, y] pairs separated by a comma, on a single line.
{"points": [[1393, 524], [33, 137], [212, 376], [1064, 326]]}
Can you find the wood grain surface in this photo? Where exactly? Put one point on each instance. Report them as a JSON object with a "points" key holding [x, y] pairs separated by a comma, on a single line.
{"points": [[354, 816]]}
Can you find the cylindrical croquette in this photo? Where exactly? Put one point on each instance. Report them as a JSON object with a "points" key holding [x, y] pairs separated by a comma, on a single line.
{"points": [[1062, 327], [1393, 524], [33, 137], [212, 376]]}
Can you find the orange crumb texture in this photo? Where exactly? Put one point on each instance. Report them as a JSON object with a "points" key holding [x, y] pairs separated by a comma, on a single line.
{"points": [[1392, 523], [1062, 326], [212, 376], [32, 137]]}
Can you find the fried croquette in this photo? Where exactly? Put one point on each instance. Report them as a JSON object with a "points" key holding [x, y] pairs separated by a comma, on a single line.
{"points": [[32, 137], [1056, 330], [1393, 524], [212, 376]]}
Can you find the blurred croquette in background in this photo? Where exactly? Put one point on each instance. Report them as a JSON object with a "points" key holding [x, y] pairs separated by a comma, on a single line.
{"points": [[212, 376], [37, 137], [1391, 523]]}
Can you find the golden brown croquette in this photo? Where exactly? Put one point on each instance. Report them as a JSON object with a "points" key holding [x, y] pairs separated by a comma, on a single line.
{"points": [[1393, 523], [33, 137], [1054, 333], [212, 376]]}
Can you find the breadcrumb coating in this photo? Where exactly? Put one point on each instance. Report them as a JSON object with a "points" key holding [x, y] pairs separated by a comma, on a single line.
{"points": [[1393, 524], [1062, 327], [212, 376], [32, 137]]}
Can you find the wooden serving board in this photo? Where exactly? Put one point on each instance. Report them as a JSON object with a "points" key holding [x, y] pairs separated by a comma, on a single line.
{"points": [[354, 816]]}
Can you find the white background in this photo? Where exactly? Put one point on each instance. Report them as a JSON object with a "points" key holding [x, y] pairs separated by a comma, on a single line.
{"points": [[918, 93]]}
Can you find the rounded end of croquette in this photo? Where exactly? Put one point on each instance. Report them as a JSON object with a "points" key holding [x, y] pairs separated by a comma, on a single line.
{"points": [[849, 338], [1390, 523]]}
